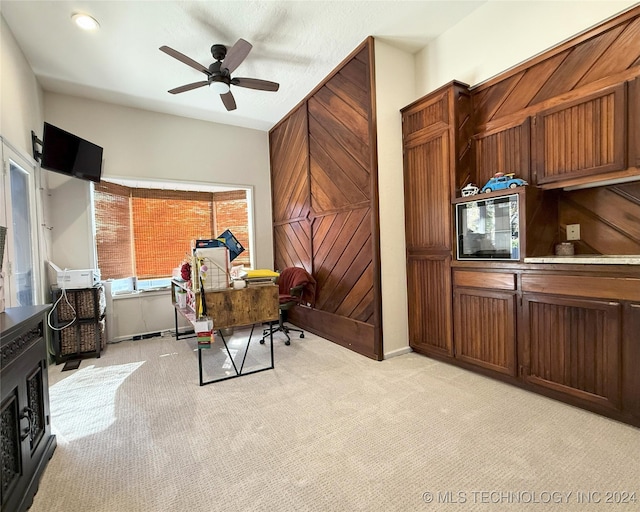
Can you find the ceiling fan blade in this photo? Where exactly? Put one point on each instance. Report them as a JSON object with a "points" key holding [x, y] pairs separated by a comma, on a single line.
{"points": [[188, 87], [236, 54], [184, 59], [254, 83], [228, 100]]}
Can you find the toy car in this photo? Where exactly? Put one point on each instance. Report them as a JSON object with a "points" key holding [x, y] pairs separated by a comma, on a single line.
{"points": [[500, 182]]}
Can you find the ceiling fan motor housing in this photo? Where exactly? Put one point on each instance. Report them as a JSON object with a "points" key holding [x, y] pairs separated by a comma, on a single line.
{"points": [[219, 51]]}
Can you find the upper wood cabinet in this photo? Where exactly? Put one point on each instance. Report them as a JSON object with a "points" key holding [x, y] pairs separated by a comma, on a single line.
{"points": [[634, 123], [583, 138], [505, 149]]}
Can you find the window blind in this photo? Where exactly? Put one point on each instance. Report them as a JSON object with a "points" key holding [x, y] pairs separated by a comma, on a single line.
{"points": [[148, 232]]}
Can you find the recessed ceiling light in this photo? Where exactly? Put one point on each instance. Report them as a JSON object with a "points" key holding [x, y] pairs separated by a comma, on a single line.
{"points": [[84, 21]]}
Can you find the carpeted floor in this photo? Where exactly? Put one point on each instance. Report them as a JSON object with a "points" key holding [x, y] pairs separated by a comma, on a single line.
{"points": [[326, 430]]}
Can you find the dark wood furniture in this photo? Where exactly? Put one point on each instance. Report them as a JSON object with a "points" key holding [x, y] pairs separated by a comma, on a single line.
{"points": [[561, 330], [569, 117], [27, 442], [84, 310], [432, 152]]}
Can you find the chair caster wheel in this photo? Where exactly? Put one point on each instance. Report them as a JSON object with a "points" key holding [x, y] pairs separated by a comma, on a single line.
{"points": [[287, 342], [302, 335], [261, 342]]}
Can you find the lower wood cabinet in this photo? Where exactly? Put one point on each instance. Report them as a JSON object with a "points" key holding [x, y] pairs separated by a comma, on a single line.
{"points": [[570, 337], [484, 330], [573, 346], [429, 291]]}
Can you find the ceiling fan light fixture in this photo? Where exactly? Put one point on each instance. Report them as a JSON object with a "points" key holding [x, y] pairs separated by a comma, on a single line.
{"points": [[219, 85], [84, 21]]}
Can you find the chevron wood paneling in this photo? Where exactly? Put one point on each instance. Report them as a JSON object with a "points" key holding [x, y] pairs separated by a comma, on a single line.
{"points": [[289, 167], [325, 205], [608, 53], [609, 218]]}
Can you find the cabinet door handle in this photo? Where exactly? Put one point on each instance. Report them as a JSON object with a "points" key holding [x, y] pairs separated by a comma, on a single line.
{"points": [[26, 414]]}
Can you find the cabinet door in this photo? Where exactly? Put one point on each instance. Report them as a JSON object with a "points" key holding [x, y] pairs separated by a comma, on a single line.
{"points": [[505, 149], [25, 421], [634, 123], [12, 431], [427, 185], [582, 138], [429, 293], [631, 360], [572, 346], [484, 328]]}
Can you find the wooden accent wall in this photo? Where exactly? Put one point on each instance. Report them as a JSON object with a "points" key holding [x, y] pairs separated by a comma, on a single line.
{"points": [[546, 117], [609, 218], [598, 58], [325, 204], [289, 144]]}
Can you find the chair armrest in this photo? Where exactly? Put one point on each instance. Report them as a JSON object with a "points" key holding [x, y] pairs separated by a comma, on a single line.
{"points": [[296, 291]]}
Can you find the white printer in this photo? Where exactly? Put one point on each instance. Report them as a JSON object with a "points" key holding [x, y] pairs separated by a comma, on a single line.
{"points": [[73, 279]]}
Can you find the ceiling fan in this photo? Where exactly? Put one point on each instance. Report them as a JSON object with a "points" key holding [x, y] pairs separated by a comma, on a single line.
{"points": [[219, 73]]}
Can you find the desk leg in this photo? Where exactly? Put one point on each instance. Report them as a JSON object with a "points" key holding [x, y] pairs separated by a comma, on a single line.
{"points": [[271, 341], [229, 353], [241, 372], [175, 317]]}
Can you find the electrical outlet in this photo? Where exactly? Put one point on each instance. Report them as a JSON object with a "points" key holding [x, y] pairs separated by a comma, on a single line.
{"points": [[573, 231]]}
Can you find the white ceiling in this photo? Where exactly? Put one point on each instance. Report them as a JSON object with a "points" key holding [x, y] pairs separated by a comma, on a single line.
{"points": [[295, 43]]}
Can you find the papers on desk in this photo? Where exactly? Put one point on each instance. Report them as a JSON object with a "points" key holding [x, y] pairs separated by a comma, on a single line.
{"points": [[261, 277]]}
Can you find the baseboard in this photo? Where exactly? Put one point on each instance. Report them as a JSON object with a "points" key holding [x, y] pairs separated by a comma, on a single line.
{"points": [[398, 352]]}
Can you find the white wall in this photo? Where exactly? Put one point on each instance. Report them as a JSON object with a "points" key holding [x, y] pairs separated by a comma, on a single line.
{"points": [[391, 95], [21, 99], [20, 95], [501, 34], [143, 144]]}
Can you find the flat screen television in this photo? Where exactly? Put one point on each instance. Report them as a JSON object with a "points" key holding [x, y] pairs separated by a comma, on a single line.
{"points": [[69, 154]]}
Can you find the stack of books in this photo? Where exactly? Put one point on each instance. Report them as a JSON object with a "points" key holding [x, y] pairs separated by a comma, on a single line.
{"points": [[260, 277]]}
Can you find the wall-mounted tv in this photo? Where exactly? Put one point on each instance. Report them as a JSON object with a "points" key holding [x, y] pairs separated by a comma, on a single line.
{"points": [[69, 154]]}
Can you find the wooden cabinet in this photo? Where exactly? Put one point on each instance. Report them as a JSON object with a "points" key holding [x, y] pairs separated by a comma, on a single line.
{"points": [[484, 309], [631, 361], [27, 443], [583, 140], [634, 124], [505, 149], [580, 340], [434, 146], [572, 346]]}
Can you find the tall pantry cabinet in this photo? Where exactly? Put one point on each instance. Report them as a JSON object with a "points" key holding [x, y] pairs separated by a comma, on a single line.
{"points": [[435, 134]]}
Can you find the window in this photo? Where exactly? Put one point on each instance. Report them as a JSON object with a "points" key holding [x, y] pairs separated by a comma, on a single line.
{"points": [[146, 232]]}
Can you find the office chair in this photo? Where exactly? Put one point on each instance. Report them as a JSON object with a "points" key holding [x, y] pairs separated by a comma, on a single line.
{"points": [[293, 284]]}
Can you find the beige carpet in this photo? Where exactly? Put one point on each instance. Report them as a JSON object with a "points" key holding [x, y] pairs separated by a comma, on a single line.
{"points": [[326, 430]]}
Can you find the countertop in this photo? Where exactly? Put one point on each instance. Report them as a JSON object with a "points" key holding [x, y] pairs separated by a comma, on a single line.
{"points": [[589, 259]]}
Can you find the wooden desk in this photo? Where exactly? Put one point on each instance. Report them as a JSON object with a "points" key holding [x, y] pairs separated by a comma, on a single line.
{"points": [[232, 308]]}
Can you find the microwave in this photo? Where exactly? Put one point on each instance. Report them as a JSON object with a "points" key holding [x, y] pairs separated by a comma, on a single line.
{"points": [[488, 229]]}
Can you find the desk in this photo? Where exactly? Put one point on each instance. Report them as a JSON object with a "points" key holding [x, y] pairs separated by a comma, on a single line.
{"points": [[232, 308]]}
